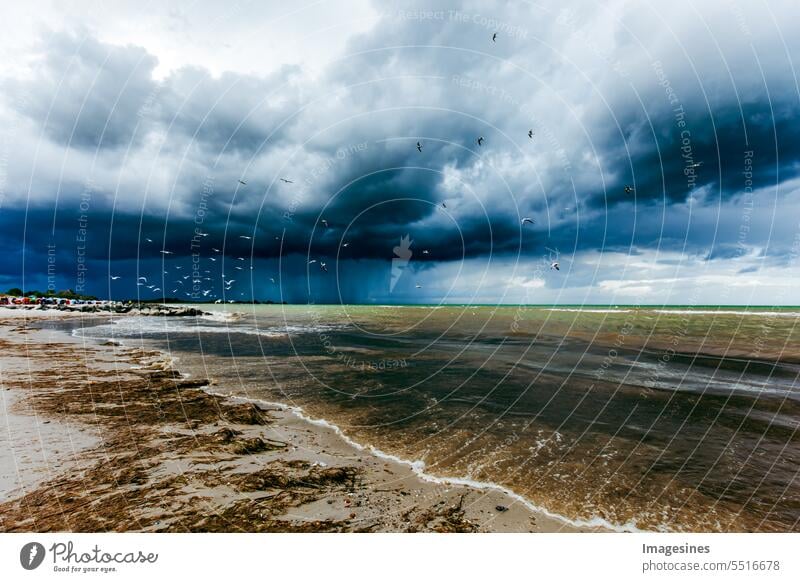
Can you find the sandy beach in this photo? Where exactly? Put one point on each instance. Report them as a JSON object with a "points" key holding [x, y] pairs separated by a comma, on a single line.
{"points": [[103, 437]]}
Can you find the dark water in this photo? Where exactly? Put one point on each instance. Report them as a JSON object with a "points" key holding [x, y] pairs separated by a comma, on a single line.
{"points": [[674, 420]]}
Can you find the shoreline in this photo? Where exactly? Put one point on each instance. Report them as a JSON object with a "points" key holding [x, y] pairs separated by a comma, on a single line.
{"points": [[235, 467]]}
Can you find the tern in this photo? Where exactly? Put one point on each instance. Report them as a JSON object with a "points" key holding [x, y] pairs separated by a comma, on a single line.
{"points": [[527, 220]]}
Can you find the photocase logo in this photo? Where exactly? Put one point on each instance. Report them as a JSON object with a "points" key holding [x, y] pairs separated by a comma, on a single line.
{"points": [[31, 555], [400, 261]]}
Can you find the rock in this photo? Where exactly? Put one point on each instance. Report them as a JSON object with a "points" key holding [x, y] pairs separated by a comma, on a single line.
{"points": [[501, 508]]}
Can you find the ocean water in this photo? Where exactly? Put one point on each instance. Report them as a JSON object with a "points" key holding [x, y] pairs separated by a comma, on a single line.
{"points": [[653, 419]]}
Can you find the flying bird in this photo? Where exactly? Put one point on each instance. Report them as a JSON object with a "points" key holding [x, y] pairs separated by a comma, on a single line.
{"points": [[312, 261], [324, 223], [629, 190], [245, 237], [215, 250], [419, 147], [419, 286], [530, 133], [149, 240], [444, 205], [242, 182], [480, 141], [166, 252], [347, 244], [323, 267], [114, 277], [229, 283], [142, 279], [696, 165], [528, 220], [287, 181], [554, 265], [494, 37]]}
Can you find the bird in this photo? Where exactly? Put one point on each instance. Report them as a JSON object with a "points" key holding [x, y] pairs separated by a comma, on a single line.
{"points": [[528, 220], [228, 283], [312, 261], [242, 182], [323, 267], [696, 165], [114, 277], [245, 237], [419, 147], [419, 286], [174, 291], [272, 279], [179, 282], [150, 286], [166, 252], [212, 259], [215, 250], [239, 258], [202, 234], [554, 265], [629, 189], [530, 133], [480, 141], [156, 289], [149, 240], [286, 181], [186, 277], [494, 37], [347, 244], [179, 268], [142, 279], [238, 268], [444, 205], [324, 223], [425, 252]]}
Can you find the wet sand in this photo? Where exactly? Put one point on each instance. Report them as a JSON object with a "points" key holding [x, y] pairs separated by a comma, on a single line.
{"points": [[102, 437]]}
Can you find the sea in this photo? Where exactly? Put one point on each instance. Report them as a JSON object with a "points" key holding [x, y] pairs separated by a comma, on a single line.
{"points": [[626, 417]]}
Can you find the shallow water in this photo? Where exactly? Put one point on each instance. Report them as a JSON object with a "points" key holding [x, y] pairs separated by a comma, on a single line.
{"points": [[641, 418]]}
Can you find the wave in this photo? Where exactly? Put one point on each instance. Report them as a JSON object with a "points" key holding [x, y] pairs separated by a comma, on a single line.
{"points": [[139, 326], [418, 468], [727, 312]]}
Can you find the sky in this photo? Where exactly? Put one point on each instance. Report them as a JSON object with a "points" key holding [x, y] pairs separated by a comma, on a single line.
{"points": [[148, 139]]}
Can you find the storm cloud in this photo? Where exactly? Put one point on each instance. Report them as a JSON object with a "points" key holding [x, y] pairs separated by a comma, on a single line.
{"points": [[260, 164]]}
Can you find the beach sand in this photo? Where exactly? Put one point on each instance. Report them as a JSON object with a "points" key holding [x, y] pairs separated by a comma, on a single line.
{"points": [[113, 438]]}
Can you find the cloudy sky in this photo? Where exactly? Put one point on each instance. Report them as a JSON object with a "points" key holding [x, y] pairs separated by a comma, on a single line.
{"points": [[150, 140]]}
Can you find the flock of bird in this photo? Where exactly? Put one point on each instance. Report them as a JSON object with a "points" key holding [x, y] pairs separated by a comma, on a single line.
{"points": [[228, 283]]}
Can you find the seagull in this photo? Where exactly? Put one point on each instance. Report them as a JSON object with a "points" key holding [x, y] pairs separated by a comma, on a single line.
{"points": [[156, 289], [629, 189], [528, 220], [142, 279], [149, 240], [150, 286], [238, 268], [166, 252], [696, 165], [239, 258], [215, 250], [425, 252], [179, 267], [312, 261], [480, 141], [419, 286], [323, 267], [347, 244], [419, 147], [114, 277], [245, 237], [179, 282], [444, 205], [174, 291], [186, 277], [324, 223], [554, 265], [213, 260], [228, 283], [286, 181], [242, 182], [494, 37], [530, 133], [202, 234], [272, 279]]}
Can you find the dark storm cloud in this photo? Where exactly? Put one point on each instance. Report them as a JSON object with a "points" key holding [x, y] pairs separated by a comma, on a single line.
{"points": [[614, 99]]}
